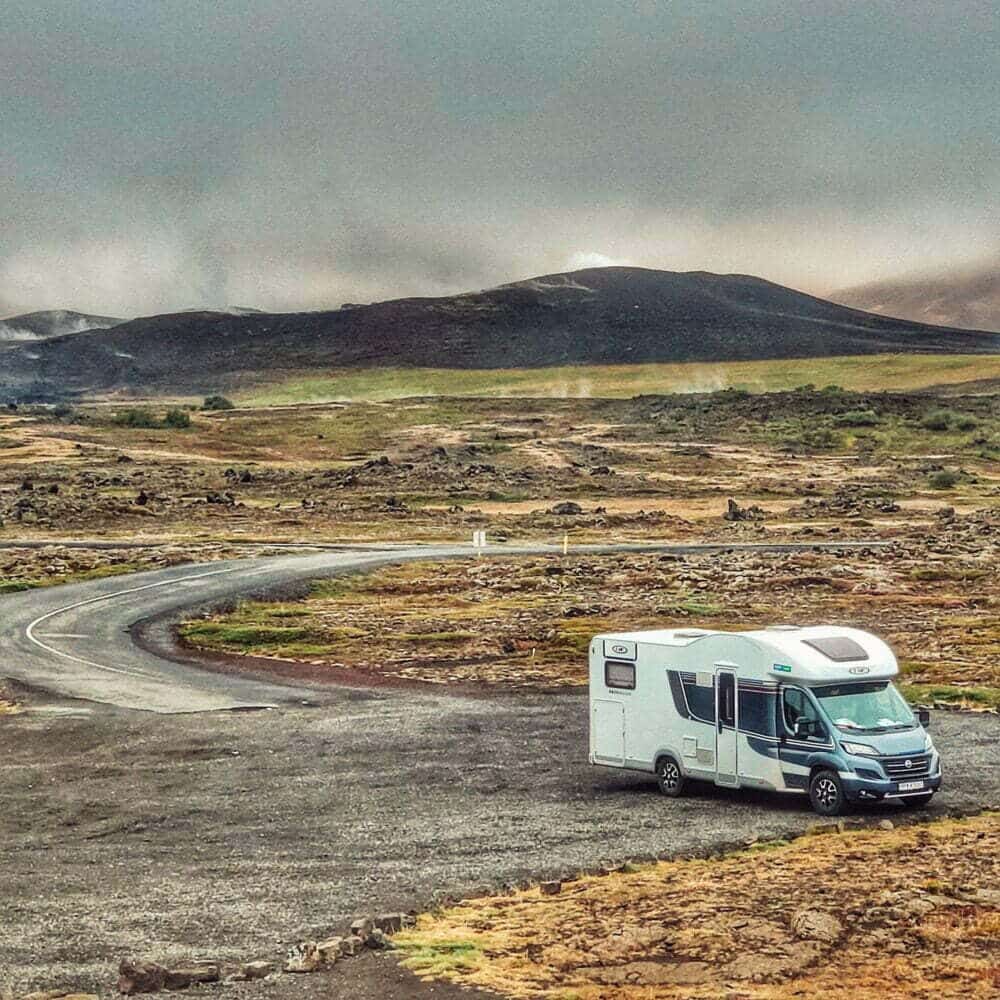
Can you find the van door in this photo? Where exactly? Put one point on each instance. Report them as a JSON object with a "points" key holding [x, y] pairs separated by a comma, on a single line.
{"points": [[725, 728], [607, 732]]}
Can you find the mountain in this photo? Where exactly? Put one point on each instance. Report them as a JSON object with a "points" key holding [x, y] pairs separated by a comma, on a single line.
{"points": [[610, 315], [52, 323], [968, 299]]}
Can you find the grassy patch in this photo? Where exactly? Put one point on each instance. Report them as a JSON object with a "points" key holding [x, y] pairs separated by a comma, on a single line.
{"points": [[961, 697], [440, 958], [875, 372]]}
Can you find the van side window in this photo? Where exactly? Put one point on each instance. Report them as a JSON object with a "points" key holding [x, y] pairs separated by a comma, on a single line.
{"points": [[797, 710], [757, 714], [700, 699], [619, 675], [727, 699]]}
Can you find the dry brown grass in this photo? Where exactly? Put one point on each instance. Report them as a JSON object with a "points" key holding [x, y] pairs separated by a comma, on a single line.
{"points": [[528, 621], [915, 911]]}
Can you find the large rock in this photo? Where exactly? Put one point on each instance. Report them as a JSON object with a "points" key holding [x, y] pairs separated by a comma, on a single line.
{"points": [[303, 957], [187, 975], [330, 950], [816, 925], [567, 509], [140, 977], [254, 970], [362, 927], [351, 945], [391, 922]]}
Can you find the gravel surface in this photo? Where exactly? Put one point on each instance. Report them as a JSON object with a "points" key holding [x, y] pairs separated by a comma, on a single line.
{"points": [[236, 834]]}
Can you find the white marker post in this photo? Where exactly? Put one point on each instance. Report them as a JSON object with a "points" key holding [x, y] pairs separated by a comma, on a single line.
{"points": [[565, 543], [479, 541]]}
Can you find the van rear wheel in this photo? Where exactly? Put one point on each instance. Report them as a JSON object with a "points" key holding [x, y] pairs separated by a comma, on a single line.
{"points": [[826, 793], [669, 777]]}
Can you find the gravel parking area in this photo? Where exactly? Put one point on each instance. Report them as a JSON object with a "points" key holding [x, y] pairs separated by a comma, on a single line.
{"points": [[234, 835]]}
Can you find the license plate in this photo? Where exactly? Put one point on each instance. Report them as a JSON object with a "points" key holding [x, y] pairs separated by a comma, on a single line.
{"points": [[910, 786]]}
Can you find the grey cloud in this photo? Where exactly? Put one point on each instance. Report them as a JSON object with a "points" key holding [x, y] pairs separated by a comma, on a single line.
{"points": [[159, 156]]}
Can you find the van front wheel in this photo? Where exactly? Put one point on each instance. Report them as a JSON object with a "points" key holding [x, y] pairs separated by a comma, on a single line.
{"points": [[826, 793], [669, 777]]}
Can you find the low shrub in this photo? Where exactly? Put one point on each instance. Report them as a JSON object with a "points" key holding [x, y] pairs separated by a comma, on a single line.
{"points": [[217, 403], [858, 418], [945, 479], [177, 419], [938, 420]]}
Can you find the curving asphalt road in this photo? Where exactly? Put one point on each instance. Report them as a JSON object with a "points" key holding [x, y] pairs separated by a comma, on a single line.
{"points": [[76, 640]]}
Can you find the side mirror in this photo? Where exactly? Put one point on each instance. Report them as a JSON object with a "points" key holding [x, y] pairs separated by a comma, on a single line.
{"points": [[923, 716]]}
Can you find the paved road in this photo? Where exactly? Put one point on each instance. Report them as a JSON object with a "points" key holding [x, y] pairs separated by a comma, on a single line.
{"points": [[76, 640]]}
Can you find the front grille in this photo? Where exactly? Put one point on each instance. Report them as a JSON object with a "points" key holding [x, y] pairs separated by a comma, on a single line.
{"points": [[901, 768]]}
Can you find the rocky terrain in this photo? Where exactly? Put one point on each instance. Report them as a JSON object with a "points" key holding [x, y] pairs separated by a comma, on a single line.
{"points": [[805, 919], [526, 622], [611, 315]]}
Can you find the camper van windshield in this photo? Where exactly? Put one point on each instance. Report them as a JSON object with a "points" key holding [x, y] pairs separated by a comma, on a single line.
{"points": [[872, 708]]}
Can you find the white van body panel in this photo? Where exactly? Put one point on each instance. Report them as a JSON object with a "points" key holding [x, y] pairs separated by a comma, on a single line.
{"points": [[675, 703]]}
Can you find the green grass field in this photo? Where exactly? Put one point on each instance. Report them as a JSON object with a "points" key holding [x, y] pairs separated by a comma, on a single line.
{"points": [[860, 373]]}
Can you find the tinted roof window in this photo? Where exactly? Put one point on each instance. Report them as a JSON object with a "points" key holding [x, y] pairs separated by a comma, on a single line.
{"points": [[838, 648]]}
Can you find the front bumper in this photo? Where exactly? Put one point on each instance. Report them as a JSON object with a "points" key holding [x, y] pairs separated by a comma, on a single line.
{"points": [[860, 789]]}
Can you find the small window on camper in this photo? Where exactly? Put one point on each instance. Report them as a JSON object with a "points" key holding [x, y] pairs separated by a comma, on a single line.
{"points": [[619, 675]]}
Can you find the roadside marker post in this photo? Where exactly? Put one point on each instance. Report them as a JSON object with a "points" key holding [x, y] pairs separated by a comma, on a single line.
{"points": [[565, 543], [479, 541]]}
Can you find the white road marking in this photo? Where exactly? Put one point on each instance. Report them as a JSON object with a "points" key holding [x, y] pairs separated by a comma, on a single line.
{"points": [[65, 635], [32, 637]]}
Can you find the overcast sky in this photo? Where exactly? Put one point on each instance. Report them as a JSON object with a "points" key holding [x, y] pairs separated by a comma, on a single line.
{"points": [[165, 154]]}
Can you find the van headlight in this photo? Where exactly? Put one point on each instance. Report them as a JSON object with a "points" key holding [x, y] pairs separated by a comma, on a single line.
{"points": [[859, 749], [929, 746]]}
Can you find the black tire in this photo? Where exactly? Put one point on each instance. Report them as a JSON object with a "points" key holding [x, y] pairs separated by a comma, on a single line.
{"points": [[826, 793], [917, 801], [669, 777]]}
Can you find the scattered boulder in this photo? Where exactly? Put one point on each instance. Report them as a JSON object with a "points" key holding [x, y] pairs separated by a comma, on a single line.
{"points": [[140, 977], [389, 923], [303, 957], [816, 925], [329, 950], [254, 970], [351, 945], [184, 976], [886, 824], [551, 888], [362, 927], [566, 509], [734, 512]]}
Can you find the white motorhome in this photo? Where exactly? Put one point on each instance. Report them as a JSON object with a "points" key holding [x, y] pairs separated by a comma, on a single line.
{"points": [[787, 708]]}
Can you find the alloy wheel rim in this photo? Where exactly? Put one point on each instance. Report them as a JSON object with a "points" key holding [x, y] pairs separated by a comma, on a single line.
{"points": [[826, 792], [668, 774]]}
